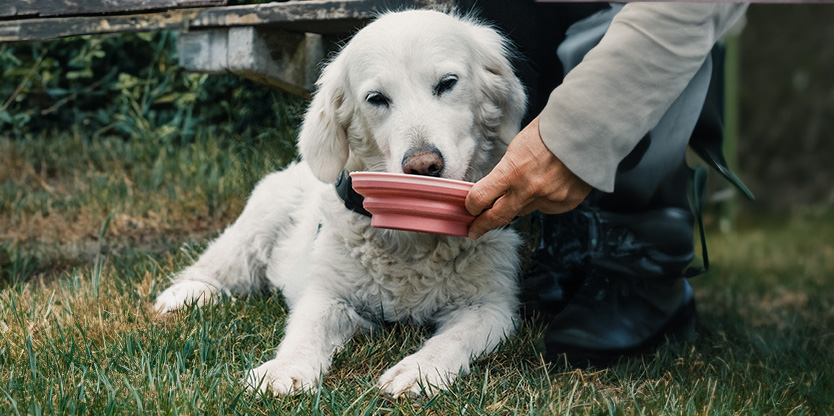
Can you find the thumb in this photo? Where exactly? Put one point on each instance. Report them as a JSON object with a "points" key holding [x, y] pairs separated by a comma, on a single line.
{"points": [[486, 191]]}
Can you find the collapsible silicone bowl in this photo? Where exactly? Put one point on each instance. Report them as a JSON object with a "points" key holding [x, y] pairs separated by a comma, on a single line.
{"points": [[415, 203]]}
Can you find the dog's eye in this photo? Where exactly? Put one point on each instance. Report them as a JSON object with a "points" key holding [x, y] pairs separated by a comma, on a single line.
{"points": [[377, 99], [446, 84]]}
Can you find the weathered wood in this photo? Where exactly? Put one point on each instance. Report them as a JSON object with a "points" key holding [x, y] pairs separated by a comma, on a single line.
{"points": [[53, 28], [320, 16], [287, 60], [317, 16], [45, 8], [204, 51]]}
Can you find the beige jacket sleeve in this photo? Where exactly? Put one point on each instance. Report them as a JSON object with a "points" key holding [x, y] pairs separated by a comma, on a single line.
{"points": [[626, 83]]}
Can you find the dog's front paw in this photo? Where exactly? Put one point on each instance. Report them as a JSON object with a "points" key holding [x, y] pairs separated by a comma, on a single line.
{"points": [[282, 378], [414, 377], [182, 293]]}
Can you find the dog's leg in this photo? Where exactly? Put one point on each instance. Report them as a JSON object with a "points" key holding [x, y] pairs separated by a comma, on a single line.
{"points": [[463, 334], [318, 326], [223, 267], [236, 261]]}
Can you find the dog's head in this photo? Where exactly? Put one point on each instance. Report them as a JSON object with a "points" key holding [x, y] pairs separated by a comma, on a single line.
{"points": [[414, 92]]}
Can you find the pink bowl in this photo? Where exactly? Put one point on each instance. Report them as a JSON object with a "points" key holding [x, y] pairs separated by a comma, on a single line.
{"points": [[415, 203]]}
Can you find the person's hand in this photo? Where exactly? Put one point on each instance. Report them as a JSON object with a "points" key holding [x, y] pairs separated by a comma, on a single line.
{"points": [[529, 177]]}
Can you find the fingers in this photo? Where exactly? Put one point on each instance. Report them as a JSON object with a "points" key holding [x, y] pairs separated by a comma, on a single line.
{"points": [[514, 203], [499, 215], [510, 170], [480, 197], [487, 190]]}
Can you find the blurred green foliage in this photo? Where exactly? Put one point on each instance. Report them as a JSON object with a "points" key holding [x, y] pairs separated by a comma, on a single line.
{"points": [[132, 86]]}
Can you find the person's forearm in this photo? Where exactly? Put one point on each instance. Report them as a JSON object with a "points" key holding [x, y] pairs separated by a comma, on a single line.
{"points": [[626, 83]]}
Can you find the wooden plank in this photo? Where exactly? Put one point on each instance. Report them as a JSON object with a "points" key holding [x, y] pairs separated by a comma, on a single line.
{"points": [[46, 8], [53, 28], [319, 16]]}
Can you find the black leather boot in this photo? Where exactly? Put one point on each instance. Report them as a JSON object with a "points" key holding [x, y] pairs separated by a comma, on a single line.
{"points": [[612, 317], [632, 298]]}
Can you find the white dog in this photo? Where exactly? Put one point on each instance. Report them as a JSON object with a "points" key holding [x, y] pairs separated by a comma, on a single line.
{"points": [[420, 92]]}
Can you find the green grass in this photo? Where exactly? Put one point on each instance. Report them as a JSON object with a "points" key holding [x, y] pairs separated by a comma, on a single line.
{"points": [[90, 230]]}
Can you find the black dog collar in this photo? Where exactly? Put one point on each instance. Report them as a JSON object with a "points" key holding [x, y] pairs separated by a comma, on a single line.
{"points": [[353, 201]]}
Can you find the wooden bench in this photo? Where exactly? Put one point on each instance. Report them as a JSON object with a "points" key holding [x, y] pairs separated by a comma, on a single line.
{"points": [[279, 43]]}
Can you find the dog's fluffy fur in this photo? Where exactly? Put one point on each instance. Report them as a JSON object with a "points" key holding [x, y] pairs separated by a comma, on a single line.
{"points": [[387, 92]]}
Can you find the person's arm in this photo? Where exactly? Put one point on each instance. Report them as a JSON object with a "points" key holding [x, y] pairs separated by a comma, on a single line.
{"points": [[625, 84], [605, 105]]}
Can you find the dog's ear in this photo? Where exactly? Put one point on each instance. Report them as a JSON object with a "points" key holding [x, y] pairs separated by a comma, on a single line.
{"points": [[322, 141], [505, 100]]}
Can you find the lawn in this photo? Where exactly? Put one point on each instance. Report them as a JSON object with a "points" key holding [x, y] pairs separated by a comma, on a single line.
{"points": [[90, 230]]}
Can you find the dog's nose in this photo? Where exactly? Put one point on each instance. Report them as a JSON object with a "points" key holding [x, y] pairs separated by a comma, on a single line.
{"points": [[424, 161]]}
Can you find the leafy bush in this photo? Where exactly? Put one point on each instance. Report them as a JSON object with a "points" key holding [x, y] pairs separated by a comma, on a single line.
{"points": [[132, 86]]}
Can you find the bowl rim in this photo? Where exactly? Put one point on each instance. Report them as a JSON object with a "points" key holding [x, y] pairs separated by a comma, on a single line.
{"points": [[406, 178]]}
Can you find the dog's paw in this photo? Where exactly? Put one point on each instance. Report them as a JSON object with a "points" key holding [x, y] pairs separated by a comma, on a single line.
{"points": [[413, 377], [183, 293], [282, 378]]}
